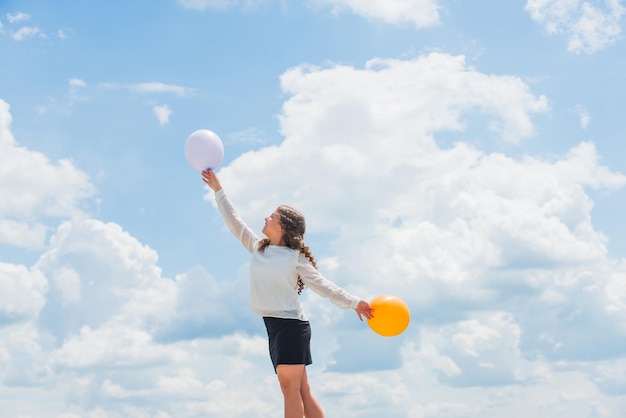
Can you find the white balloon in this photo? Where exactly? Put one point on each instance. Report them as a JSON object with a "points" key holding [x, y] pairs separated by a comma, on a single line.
{"points": [[204, 150]]}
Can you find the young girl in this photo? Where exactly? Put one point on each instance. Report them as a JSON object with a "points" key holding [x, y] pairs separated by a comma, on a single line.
{"points": [[280, 267]]}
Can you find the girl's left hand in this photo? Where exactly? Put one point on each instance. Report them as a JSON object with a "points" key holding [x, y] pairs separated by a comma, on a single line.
{"points": [[364, 309]]}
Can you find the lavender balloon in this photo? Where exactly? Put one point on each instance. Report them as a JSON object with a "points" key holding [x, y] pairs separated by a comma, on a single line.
{"points": [[204, 150]]}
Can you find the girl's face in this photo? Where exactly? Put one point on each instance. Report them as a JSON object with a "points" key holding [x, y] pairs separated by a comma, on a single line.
{"points": [[272, 228]]}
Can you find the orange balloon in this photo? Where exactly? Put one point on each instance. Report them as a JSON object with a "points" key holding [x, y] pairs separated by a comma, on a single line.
{"points": [[391, 315]]}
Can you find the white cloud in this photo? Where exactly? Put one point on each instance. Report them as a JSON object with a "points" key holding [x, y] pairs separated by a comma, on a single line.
{"points": [[111, 346], [251, 136], [17, 17], [198, 308], [115, 320], [584, 116], [453, 227], [27, 32], [77, 86], [97, 264], [22, 292], [514, 300], [77, 83], [128, 324], [162, 113], [22, 359], [156, 87], [482, 351], [589, 26], [590, 298], [20, 234], [365, 126], [67, 281], [153, 88], [24, 32], [34, 187], [221, 4], [420, 13], [369, 169], [610, 376]]}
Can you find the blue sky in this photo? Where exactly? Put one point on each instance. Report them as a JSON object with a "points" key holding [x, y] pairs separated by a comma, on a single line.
{"points": [[466, 156]]}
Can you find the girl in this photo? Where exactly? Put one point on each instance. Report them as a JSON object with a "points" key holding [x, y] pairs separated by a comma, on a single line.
{"points": [[280, 267]]}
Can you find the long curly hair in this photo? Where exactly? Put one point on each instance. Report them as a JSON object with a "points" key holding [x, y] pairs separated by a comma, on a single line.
{"points": [[293, 224]]}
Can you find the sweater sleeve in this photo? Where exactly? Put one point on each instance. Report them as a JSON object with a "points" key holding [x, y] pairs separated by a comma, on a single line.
{"points": [[235, 224], [324, 287]]}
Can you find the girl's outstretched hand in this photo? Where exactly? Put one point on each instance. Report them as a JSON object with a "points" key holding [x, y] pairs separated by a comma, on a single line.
{"points": [[364, 309], [210, 178]]}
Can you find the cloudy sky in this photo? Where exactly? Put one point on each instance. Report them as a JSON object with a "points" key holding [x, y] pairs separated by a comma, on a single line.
{"points": [[466, 156]]}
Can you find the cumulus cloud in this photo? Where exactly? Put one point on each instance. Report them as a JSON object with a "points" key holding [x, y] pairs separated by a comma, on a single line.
{"points": [[34, 185], [111, 346], [510, 213], [334, 127], [198, 308], [482, 351], [94, 314], [22, 292], [451, 226], [106, 317], [589, 26], [511, 287], [20, 234], [610, 376], [420, 13], [87, 286]]}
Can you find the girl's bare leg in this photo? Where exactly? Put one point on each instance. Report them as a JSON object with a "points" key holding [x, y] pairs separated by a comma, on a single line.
{"points": [[290, 379], [312, 408]]}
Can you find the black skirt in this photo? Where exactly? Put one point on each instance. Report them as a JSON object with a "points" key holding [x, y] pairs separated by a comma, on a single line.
{"points": [[289, 341]]}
